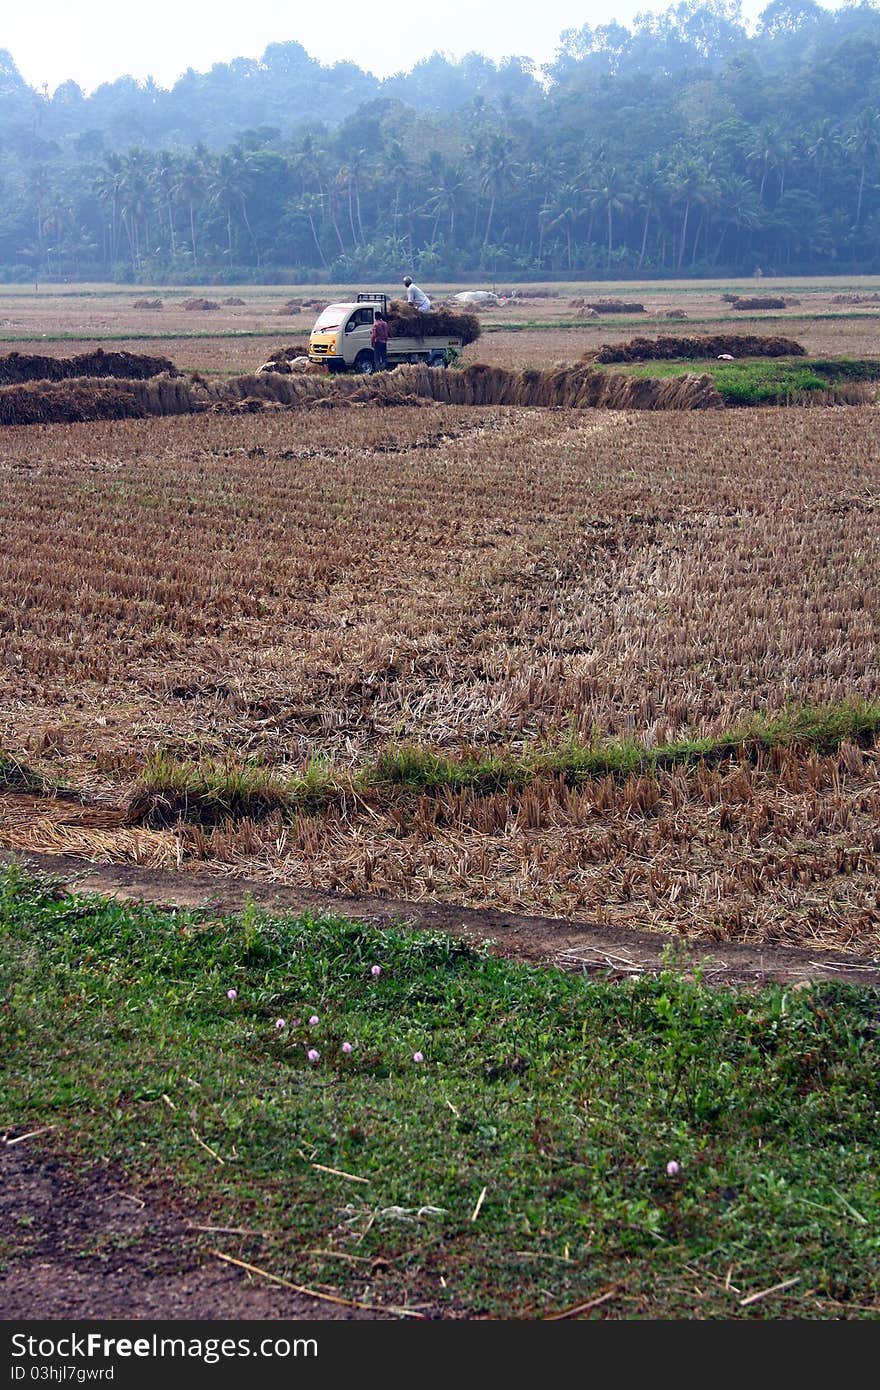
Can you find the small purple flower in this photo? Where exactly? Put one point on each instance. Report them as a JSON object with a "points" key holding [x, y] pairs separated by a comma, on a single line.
{"points": [[418, 1057], [375, 970], [313, 1054], [673, 1168], [346, 1047], [280, 1023], [313, 1021], [294, 1023], [232, 994]]}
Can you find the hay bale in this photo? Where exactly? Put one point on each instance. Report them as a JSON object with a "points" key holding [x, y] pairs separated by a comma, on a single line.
{"points": [[20, 367], [147, 304], [615, 306], [760, 302], [197, 303], [576, 387], [287, 359], [287, 354], [406, 322], [51, 402], [669, 348], [232, 300], [521, 293]]}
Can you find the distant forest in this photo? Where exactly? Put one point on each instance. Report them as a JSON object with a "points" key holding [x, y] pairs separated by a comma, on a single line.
{"points": [[686, 145]]}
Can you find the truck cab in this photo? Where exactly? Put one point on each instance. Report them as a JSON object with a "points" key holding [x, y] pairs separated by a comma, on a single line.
{"points": [[340, 339]]}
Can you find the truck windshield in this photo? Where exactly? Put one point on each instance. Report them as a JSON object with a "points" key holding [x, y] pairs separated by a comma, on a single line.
{"points": [[331, 317]]}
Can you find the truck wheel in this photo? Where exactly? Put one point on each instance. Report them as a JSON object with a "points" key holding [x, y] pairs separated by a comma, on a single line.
{"points": [[365, 363]]}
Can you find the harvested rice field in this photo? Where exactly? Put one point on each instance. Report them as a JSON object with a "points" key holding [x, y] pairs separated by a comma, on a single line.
{"points": [[614, 666], [530, 326]]}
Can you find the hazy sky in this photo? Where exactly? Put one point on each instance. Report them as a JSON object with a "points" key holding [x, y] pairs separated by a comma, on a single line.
{"points": [[101, 40]]}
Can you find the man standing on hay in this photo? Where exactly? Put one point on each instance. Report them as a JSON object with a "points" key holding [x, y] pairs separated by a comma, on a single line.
{"points": [[415, 296]]}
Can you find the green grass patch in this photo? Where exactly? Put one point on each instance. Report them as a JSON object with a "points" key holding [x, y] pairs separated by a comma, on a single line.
{"points": [[204, 791], [767, 381], [520, 1167]]}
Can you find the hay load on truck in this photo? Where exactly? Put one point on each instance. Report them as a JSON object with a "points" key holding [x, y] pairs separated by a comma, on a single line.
{"points": [[340, 339]]}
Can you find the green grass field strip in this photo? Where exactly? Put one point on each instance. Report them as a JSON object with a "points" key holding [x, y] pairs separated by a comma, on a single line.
{"points": [[169, 787], [442, 1127], [763, 381]]}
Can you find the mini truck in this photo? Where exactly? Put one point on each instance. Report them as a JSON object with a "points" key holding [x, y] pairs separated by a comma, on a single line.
{"points": [[340, 339]]}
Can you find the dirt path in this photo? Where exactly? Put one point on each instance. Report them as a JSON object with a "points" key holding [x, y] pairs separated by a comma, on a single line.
{"points": [[78, 1248], [540, 940]]}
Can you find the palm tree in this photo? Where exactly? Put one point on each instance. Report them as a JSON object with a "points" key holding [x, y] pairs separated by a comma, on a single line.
{"points": [[823, 145], [109, 184], [311, 206], [443, 196], [350, 175], [229, 188], [612, 196], [189, 190], [565, 211], [165, 178], [498, 172], [650, 190], [763, 154], [136, 201], [864, 142], [737, 206], [396, 167], [39, 188], [688, 186]]}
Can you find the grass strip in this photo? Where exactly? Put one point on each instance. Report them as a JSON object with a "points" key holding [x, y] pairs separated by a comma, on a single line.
{"points": [[169, 788], [498, 1139], [772, 381]]}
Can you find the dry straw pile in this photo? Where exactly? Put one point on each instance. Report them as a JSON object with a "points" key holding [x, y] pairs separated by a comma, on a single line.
{"points": [[614, 306], [669, 347], [17, 367], [404, 321]]}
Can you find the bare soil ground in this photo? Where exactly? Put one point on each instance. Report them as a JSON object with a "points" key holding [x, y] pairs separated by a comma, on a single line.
{"points": [[79, 1245]]}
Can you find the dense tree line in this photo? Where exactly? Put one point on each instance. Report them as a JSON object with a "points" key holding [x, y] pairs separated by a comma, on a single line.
{"points": [[685, 145]]}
